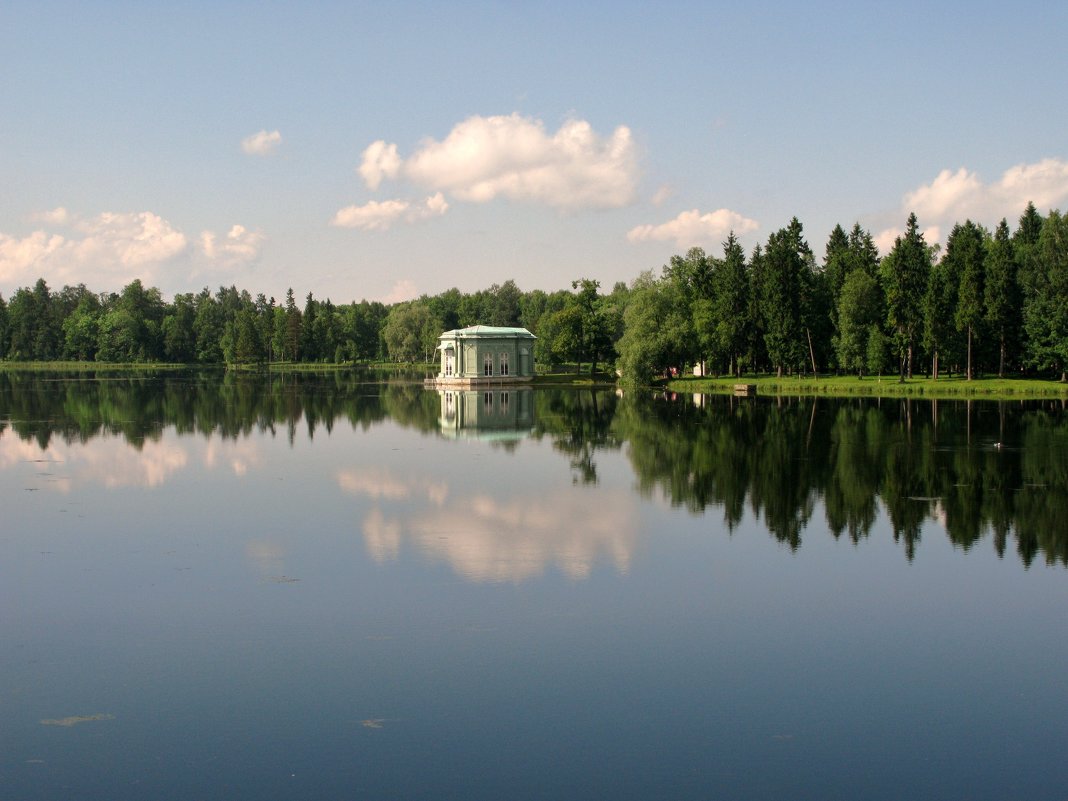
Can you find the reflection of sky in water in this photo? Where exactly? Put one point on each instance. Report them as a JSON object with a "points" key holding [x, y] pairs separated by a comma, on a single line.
{"points": [[509, 534], [490, 515], [111, 462], [383, 613]]}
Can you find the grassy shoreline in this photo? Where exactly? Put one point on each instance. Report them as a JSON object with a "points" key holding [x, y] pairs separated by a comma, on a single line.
{"points": [[883, 387], [954, 387], [100, 367]]}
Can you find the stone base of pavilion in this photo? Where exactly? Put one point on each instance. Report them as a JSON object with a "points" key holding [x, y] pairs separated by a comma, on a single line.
{"points": [[466, 382]]}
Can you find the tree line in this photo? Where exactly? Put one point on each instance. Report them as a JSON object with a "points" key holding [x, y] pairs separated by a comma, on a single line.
{"points": [[989, 302]]}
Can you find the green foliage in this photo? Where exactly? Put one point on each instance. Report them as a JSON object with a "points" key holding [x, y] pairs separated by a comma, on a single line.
{"points": [[1002, 296], [411, 332], [966, 248], [179, 333], [756, 350], [859, 312], [878, 350], [1047, 311], [81, 330], [292, 329], [504, 305], [692, 274], [940, 308], [595, 323], [721, 320], [787, 281], [656, 331], [844, 255], [30, 324], [836, 266], [208, 327], [904, 275], [777, 310], [242, 343], [4, 328]]}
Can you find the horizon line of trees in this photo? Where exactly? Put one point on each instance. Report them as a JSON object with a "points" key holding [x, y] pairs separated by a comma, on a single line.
{"points": [[994, 302]]}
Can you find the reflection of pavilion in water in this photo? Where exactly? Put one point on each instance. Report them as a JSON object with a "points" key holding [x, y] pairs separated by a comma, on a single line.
{"points": [[487, 413]]}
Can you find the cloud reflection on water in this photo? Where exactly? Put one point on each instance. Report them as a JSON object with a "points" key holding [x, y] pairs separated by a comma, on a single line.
{"points": [[486, 539], [111, 462], [107, 460]]}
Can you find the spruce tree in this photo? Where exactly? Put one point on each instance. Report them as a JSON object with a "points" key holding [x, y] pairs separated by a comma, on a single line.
{"points": [[904, 275], [1002, 299]]}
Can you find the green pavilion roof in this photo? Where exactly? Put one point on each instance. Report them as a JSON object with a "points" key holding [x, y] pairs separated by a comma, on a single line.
{"points": [[488, 331]]}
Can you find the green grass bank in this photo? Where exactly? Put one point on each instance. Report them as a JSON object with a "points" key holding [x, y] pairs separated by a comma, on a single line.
{"points": [[884, 386]]}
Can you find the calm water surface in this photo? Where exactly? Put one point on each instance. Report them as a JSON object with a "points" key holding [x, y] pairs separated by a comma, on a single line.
{"points": [[337, 588]]}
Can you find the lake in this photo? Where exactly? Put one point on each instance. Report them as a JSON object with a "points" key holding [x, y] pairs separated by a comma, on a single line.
{"points": [[345, 586]]}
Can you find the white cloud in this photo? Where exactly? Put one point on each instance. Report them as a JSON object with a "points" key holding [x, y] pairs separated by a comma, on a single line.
{"points": [[57, 216], [262, 143], [112, 248], [435, 205], [953, 197], [110, 245], [372, 216], [239, 246], [1044, 183], [691, 228], [484, 158], [662, 195], [884, 240], [22, 258], [381, 215], [402, 290], [133, 239], [948, 191], [379, 161]]}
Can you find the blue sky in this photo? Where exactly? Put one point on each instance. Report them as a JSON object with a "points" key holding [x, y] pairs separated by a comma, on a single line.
{"points": [[382, 151]]}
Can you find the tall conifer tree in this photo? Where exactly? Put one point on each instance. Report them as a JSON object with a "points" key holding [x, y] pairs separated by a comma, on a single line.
{"points": [[1002, 292], [904, 274]]}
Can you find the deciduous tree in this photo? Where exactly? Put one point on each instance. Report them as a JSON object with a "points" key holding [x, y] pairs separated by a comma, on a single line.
{"points": [[859, 311]]}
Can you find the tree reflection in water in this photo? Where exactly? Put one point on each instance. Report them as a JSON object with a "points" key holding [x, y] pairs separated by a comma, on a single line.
{"points": [[974, 467], [977, 468]]}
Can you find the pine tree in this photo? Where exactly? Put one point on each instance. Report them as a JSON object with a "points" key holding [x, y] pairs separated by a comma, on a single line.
{"points": [[729, 300], [3, 328], [292, 330], [1002, 299], [904, 275], [966, 246], [787, 271], [836, 266]]}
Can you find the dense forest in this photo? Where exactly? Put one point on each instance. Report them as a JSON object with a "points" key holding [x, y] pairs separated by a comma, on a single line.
{"points": [[988, 302]]}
